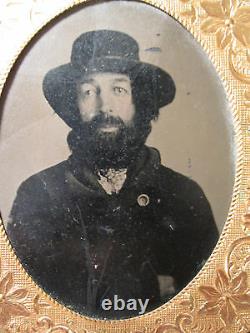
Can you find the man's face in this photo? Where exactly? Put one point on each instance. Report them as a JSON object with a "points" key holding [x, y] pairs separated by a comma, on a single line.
{"points": [[106, 100], [110, 133]]}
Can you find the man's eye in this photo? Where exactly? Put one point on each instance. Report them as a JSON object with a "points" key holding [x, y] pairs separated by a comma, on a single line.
{"points": [[89, 92], [120, 91]]}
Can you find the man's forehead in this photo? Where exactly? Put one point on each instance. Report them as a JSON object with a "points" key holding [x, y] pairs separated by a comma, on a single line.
{"points": [[105, 76]]}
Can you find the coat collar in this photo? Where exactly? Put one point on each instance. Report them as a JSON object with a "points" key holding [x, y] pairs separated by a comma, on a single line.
{"points": [[82, 178]]}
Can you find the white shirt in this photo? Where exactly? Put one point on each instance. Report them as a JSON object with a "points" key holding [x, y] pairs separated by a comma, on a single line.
{"points": [[112, 180]]}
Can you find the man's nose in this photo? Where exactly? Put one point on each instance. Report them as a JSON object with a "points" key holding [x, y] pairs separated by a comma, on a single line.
{"points": [[105, 103]]}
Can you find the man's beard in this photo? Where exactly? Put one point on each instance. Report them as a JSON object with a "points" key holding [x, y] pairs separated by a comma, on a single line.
{"points": [[101, 149]]}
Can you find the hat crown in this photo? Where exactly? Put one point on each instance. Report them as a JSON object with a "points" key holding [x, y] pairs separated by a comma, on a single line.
{"points": [[103, 44]]}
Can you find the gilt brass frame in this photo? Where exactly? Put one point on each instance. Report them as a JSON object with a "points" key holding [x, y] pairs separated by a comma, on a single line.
{"points": [[218, 299]]}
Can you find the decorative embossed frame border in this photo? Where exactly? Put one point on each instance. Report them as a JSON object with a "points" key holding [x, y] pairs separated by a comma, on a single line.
{"points": [[218, 299]]}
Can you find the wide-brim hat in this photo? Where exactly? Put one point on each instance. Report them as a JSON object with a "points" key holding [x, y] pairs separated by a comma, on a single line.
{"points": [[103, 51]]}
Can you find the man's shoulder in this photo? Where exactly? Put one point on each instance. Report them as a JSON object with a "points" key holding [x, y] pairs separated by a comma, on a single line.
{"points": [[179, 185], [175, 176], [53, 174], [167, 179]]}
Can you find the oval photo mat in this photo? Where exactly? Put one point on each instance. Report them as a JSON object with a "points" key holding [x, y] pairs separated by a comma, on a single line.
{"points": [[35, 306]]}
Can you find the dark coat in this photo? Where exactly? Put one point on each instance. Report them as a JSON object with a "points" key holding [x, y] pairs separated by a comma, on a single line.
{"points": [[83, 245]]}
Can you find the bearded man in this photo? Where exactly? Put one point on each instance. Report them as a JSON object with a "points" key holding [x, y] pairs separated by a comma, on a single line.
{"points": [[110, 220]]}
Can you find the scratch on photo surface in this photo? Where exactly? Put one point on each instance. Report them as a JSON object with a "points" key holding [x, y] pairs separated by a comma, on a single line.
{"points": [[153, 49]]}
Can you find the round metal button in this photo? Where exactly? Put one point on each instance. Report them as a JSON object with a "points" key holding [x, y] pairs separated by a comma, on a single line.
{"points": [[143, 200]]}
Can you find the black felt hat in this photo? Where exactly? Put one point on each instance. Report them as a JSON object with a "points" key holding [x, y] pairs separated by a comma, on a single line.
{"points": [[103, 51]]}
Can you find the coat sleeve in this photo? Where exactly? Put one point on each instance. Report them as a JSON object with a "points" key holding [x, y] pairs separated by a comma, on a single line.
{"points": [[26, 227], [192, 232]]}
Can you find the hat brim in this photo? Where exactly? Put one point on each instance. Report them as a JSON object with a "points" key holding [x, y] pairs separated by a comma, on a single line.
{"points": [[59, 84]]}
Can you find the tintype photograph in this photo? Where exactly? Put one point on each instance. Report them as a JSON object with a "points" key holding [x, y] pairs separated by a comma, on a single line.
{"points": [[117, 159]]}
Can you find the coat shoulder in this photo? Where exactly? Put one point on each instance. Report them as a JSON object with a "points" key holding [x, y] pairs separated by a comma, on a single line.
{"points": [[45, 179], [40, 188], [178, 183], [51, 174]]}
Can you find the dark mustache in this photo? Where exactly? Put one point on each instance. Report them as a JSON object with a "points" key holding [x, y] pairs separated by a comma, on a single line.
{"points": [[104, 119]]}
